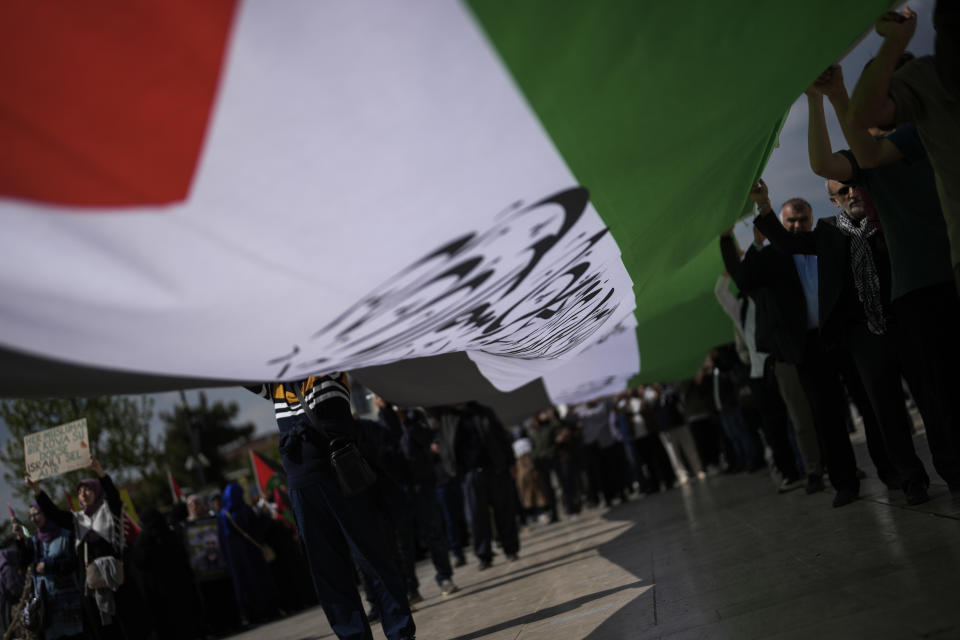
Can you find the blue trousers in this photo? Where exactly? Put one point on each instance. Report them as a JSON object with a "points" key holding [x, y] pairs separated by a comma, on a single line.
{"points": [[736, 430], [450, 496], [332, 526], [430, 525]]}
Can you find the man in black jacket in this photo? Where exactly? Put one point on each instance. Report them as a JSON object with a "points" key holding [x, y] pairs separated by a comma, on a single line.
{"points": [[474, 445], [770, 279], [894, 169], [793, 321], [854, 314]]}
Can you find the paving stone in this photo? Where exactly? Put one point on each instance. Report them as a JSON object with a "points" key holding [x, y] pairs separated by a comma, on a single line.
{"points": [[725, 558]]}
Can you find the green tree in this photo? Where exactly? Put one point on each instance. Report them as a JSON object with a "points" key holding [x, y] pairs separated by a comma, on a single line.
{"points": [[214, 428], [118, 428]]}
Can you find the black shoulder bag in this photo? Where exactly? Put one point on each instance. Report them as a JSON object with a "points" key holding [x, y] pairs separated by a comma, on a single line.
{"points": [[354, 473]]}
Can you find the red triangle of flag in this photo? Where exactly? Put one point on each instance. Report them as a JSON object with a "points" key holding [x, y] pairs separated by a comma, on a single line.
{"points": [[107, 103]]}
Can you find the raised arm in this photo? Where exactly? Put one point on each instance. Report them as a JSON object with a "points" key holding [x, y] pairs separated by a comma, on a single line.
{"points": [[744, 272], [110, 493], [823, 160], [262, 390], [61, 517], [868, 151], [731, 257], [871, 104], [726, 299], [769, 225]]}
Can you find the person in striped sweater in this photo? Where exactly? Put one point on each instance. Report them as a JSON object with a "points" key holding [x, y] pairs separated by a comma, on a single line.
{"points": [[335, 527]]}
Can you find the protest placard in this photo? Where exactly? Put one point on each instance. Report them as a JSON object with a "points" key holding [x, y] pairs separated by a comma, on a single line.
{"points": [[57, 450]]}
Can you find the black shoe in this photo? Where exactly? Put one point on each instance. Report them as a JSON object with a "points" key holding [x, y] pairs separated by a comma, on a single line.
{"points": [[861, 474], [484, 564], [414, 597], [789, 484], [460, 561], [891, 481], [844, 497], [916, 493], [373, 614], [814, 484]]}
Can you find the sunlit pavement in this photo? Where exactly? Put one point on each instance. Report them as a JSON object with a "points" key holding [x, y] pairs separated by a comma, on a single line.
{"points": [[726, 558]]}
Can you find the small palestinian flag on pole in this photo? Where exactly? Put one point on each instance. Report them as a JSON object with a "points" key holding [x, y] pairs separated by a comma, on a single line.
{"points": [[130, 528], [269, 477], [175, 492], [70, 505], [17, 521], [131, 524]]}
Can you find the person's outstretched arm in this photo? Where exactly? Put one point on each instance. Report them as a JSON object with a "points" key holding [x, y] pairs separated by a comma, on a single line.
{"points": [[262, 390], [868, 152], [727, 300], [731, 257], [871, 104], [768, 224], [823, 160], [61, 517], [110, 494]]}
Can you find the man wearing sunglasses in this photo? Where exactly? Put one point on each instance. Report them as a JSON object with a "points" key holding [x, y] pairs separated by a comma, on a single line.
{"points": [[891, 165], [854, 317]]}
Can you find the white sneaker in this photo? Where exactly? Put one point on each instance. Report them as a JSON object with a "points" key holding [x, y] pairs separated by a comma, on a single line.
{"points": [[447, 587]]}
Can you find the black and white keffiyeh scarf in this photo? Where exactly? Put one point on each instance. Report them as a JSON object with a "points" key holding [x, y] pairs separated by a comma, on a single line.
{"points": [[865, 276]]}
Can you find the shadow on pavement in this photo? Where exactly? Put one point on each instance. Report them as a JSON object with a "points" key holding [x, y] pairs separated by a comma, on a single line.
{"points": [[549, 612]]}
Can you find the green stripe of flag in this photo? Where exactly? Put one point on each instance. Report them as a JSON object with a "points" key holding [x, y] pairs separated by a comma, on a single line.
{"points": [[666, 112]]}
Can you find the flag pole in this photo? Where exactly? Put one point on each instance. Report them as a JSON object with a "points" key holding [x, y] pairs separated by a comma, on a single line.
{"points": [[256, 476]]}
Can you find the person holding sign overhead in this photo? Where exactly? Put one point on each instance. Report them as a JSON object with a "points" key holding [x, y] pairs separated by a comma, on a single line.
{"points": [[98, 545]]}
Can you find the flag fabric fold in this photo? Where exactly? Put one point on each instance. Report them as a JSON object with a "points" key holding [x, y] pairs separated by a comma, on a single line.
{"points": [[497, 186]]}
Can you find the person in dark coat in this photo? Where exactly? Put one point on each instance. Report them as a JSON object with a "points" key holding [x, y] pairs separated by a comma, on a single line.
{"points": [[51, 552], [99, 540], [166, 578], [11, 583], [855, 317], [476, 443], [242, 533]]}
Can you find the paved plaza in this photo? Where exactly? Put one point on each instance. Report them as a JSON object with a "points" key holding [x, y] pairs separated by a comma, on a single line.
{"points": [[726, 558]]}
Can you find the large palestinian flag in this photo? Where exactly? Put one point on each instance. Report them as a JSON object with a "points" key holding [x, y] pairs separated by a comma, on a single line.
{"points": [[452, 199]]}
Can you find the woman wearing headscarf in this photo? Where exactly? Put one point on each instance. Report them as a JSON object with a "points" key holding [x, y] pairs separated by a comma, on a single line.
{"points": [[98, 542], [50, 551], [242, 534]]}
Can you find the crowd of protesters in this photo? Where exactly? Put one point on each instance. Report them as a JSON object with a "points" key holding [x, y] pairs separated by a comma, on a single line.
{"points": [[867, 299], [860, 311], [452, 479], [202, 569]]}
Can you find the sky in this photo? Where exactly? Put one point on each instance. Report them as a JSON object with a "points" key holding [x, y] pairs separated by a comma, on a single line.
{"points": [[787, 175]]}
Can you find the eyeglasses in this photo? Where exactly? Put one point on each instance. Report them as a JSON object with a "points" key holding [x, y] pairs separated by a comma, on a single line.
{"points": [[844, 190]]}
